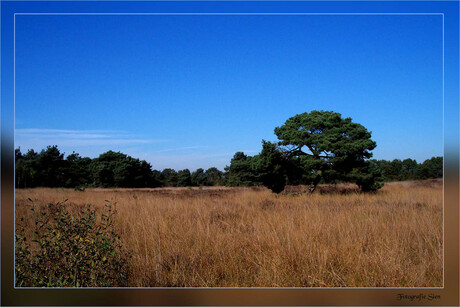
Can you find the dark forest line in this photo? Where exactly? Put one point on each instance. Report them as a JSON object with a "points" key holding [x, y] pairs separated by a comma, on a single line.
{"points": [[49, 168]]}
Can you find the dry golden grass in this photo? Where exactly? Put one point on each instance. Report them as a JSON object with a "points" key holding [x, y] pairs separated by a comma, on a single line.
{"points": [[241, 237]]}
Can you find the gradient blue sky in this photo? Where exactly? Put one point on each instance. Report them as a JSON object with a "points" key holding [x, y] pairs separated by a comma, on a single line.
{"points": [[190, 91]]}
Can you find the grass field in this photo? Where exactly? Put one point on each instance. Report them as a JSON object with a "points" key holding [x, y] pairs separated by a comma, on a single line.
{"points": [[243, 237]]}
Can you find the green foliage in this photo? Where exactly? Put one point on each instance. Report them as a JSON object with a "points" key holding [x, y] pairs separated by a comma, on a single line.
{"points": [[396, 170], [328, 145], [241, 171], [214, 177], [52, 166], [44, 169], [432, 168], [78, 171], [296, 171], [315, 147], [409, 169], [115, 169], [184, 178], [269, 167], [110, 169], [369, 177], [156, 179], [169, 177], [198, 177], [69, 251], [210, 177], [321, 146], [326, 136]]}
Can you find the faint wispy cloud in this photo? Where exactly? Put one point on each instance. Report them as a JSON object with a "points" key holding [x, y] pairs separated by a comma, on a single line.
{"points": [[38, 130], [178, 149], [40, 138], [94, 142]]}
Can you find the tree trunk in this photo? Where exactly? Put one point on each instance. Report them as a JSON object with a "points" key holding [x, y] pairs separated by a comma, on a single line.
{"points": [[312, 187]]}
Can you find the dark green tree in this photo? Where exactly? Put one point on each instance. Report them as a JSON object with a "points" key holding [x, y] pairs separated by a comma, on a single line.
{"points": [[296, 173], [156, 179], [241, 171], [115, 169], [30, 170], [184, 178], [51, 167], [327, 144], [169, 177], [431, 168], [214, 177], [19, 175], [369, 177], [78, 171], [408, 169], [199, 177], [269, 167], [393, 170]]}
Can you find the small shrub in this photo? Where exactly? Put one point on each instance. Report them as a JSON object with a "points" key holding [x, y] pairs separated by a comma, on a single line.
{"points": [[57, 249]]}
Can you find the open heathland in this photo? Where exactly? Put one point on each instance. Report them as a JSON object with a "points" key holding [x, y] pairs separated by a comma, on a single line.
{"points": [[251, 237]]}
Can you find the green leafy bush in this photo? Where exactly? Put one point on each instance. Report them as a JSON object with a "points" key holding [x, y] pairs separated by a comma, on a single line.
{"points": [[57, 249]]}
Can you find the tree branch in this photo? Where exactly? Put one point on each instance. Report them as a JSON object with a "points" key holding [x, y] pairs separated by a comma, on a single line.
{"points": [[297, 151]]}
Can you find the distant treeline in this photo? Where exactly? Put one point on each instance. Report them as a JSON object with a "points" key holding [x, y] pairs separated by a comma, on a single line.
{"points": [[409, 169], [48, 168]]}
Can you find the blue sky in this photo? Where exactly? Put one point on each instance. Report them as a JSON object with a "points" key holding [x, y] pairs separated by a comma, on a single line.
{"points": [[190, 91]]}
